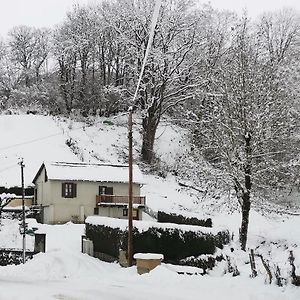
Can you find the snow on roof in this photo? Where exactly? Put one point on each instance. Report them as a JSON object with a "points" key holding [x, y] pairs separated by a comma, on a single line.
{"points": [[80, 171], [148, 256]]}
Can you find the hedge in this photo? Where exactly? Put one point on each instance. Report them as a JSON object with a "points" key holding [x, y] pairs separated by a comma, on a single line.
{"points": [[205, 262], [163, 217], [13, 257], [175, 244]]}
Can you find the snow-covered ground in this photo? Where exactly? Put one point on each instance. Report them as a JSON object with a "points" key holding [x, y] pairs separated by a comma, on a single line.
{"points": [[64, 273], [43, 138], [33, 138]]}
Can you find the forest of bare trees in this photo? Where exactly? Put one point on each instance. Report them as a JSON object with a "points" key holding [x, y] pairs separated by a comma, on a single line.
{"points": [[233, 81]]}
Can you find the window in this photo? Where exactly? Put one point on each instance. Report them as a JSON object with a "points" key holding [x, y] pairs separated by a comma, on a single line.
{"points": [[105, 190], [69, 190], [135, 213], [102, 190]]}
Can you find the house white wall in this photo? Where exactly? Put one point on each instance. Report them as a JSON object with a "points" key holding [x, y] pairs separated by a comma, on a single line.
{"points": [[117, 212], [61, 210]]}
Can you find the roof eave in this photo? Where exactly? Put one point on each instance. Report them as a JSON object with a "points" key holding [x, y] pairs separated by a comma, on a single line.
{"points": [[38, 173]]}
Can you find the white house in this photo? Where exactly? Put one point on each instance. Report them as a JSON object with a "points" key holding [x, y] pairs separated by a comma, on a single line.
{"points": [[72, 191]]}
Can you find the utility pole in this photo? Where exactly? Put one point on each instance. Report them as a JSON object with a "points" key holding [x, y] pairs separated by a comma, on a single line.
{"points": [[151, 35], [23, 212], [129, 249]]}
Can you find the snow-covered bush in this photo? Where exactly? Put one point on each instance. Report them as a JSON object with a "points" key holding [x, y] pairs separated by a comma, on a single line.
{"points": [[163, 217], [174, 243], [5, 199]]}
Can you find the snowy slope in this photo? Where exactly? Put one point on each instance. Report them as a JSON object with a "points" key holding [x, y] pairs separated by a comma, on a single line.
{"points": [[33, 138], [64, 273], [43, 138]]}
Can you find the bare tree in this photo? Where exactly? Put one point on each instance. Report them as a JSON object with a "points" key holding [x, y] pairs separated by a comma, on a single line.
{"points": [[29, 48], [278, 32], [67, 61], [22, 46], [246, 123], [165, 77], [10, 76], [41, 51]]}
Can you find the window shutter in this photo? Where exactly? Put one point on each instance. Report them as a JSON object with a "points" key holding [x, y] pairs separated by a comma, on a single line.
{"points": [[74, 190], [63, 190], [109, 190]]}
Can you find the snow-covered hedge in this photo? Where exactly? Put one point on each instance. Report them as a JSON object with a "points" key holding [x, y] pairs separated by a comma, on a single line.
{"points": [[13, 257], [175, 242], [163, 217]]}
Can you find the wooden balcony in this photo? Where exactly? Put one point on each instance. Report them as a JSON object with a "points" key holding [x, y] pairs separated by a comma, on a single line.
{"points": [[112, 199]]}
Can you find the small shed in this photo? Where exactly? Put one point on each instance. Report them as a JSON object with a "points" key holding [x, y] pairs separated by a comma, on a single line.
{"points": [[145, 262]]}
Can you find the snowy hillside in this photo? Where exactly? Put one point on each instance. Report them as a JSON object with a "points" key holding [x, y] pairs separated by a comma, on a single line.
{"points": [[33, 138], [43, 138]]}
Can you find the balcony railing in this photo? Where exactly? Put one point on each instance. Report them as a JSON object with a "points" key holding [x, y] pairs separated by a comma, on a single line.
{"points": [[112, 199]]}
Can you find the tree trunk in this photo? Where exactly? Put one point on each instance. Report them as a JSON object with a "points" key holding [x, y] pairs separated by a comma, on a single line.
{"points": [[246, 203], [27, 80], [103, 66], [82, 91], [72, 85], [62, 83], [149, 129], [245, 220], [151, 120]]}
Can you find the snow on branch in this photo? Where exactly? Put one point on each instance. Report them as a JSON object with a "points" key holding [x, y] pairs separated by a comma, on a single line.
{"points": [[5, 199]]}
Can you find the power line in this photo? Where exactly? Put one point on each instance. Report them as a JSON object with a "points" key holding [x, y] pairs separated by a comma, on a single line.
{"points": [[149, 44], [44, 138], [29, 142], [7, 168]]}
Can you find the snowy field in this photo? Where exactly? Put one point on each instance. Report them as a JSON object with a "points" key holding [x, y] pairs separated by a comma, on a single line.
{"points": [[64, 273]]}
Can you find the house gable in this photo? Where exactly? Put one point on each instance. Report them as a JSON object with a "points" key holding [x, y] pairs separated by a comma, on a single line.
{"points": [[38, 173]]}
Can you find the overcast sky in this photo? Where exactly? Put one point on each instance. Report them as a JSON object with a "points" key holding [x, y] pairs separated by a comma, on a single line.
{"points": [[46, 13]]}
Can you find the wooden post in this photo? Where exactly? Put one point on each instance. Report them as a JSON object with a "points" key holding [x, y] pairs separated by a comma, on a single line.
{"points": [[129, 249], [252, 263], [23, 213], [267, 267]]}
